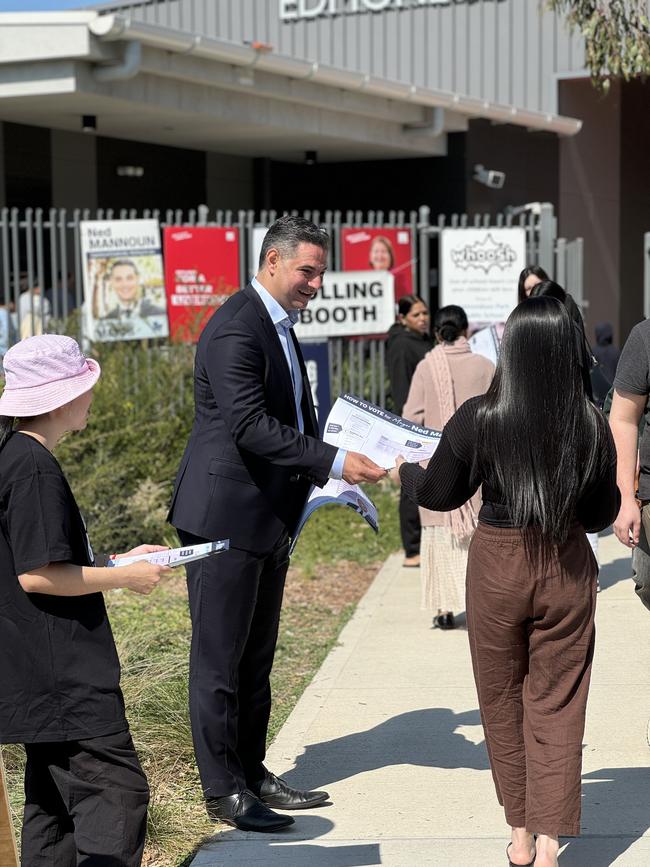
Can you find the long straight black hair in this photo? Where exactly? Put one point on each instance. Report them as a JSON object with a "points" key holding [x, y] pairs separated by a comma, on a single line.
{"points": [[539, 437]]}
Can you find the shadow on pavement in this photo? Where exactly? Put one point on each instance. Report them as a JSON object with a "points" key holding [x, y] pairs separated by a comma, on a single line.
{"points": [[420, 737], [618, 570], [263, 850], [615, 813]]}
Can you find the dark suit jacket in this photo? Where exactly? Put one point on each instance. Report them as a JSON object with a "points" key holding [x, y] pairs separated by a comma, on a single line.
{"points": [[247, 469]]}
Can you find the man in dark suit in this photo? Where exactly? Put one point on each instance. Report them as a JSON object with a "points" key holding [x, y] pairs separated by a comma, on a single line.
{"points": [[251, 459]]}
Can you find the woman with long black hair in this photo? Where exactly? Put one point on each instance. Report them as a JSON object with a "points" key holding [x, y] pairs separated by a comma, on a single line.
{"points": [[546, 460]]}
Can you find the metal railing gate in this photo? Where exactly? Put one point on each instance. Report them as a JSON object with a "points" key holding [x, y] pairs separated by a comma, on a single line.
{"points": [[40, 254]]}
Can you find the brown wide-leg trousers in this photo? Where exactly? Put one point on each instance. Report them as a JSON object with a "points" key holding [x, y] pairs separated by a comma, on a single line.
{"points": [[531, 632]]}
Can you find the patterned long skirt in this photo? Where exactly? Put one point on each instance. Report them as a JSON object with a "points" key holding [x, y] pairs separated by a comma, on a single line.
{"points": [[443, 564]]}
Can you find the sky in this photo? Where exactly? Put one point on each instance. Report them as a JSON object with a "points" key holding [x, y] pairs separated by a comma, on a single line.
{"points": [[40, 5]]}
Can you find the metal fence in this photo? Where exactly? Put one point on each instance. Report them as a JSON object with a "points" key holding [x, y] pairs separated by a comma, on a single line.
{"points": [[42, 276]]}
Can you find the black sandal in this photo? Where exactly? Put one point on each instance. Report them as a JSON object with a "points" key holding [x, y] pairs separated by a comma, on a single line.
{"points": [[510, 864], [444, 621]]}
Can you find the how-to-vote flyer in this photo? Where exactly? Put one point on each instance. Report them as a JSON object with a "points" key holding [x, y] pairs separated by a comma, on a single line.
{"points": [[486, 343], [358, 426]]}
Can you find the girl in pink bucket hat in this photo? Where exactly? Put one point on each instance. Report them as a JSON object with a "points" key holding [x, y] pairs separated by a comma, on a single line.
{"points": [[85, 793]]}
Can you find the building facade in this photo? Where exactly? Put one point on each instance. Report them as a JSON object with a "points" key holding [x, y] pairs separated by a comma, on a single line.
{"points": [[349, 104]]}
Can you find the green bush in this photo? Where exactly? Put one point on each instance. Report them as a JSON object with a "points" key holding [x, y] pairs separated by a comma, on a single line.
{"points": [[122, 467]]}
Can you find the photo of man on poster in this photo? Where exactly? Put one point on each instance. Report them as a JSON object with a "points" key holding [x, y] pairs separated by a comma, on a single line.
{"points": [[124, 283], [127, 297]]}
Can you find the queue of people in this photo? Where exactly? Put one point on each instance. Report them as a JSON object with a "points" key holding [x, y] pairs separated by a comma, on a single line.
{"points": [[526, 434]]}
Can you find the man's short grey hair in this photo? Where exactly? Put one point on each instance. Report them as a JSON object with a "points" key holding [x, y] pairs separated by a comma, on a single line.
{"points": [[288, 232]]}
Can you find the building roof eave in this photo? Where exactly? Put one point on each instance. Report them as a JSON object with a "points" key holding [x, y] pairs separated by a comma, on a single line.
{"points": [[113, 27]]}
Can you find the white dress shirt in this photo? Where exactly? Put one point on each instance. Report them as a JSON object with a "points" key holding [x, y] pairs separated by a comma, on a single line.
{"points": [[283, 322]]}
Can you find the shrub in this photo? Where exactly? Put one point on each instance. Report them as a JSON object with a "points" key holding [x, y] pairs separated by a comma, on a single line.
{"points": [[122, 467]]}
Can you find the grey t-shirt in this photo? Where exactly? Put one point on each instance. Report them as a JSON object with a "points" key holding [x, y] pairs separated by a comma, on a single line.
{"points": [[633, 376]]}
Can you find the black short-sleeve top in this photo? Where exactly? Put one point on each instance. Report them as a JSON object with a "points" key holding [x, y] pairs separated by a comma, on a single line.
{"points": [[59, 676]]}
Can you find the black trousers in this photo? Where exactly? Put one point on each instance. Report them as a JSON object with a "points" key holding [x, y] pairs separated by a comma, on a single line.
{"points": [[85, 804], [409, 524], [235, 600]]}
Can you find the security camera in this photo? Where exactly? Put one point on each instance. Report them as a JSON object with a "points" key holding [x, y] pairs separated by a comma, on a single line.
{"points": [[490, 177]]}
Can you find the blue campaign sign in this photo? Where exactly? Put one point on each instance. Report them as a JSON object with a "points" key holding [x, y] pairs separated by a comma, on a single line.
{"points": [[316, 357]]}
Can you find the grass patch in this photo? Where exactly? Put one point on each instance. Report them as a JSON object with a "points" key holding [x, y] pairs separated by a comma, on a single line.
{"points": [[335, 559]]}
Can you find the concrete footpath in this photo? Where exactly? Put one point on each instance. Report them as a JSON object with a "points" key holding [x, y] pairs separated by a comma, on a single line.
{"points": [[390, 727]]}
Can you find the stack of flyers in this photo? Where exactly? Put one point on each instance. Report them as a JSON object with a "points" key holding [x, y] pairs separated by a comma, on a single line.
{"points": [[173, 557]]}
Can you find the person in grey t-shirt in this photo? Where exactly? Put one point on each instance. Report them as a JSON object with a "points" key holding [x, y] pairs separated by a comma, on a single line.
{"points": [[629, 405]]}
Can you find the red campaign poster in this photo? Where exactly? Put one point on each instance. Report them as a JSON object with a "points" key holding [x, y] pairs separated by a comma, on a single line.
{"points": [[201, 272], [380, 248]]}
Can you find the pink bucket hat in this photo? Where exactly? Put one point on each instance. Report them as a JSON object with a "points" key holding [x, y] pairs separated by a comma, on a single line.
{"points": [[43, 373]]}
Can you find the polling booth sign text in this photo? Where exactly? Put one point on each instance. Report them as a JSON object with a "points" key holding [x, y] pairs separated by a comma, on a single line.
{"points": [[381, 248], [480, 271], [201, 272], [349, 304]]}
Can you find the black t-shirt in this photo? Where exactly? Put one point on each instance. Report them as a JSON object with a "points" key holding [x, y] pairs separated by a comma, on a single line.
{"points": [[59, 675], [633, 376]]}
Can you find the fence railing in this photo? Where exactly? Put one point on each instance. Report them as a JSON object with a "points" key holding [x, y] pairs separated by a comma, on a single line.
{"points": [[42, 271]]}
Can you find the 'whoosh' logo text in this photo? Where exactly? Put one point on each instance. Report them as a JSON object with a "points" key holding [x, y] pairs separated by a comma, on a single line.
{"points": [[484, 255]]}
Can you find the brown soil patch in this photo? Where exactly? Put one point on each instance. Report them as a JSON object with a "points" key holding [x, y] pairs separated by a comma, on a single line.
{"points": [[333, 586]]}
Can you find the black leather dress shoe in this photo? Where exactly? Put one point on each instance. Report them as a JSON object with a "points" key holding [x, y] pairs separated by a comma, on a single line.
{"points": [[274, 792], [245, 811]]}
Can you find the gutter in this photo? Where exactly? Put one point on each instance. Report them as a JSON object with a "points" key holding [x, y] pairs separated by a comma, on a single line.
{"points": [[112, 27], [128, 68]]}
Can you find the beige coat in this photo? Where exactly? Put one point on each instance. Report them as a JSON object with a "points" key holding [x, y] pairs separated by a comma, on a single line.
{"points": [[471, 375]]}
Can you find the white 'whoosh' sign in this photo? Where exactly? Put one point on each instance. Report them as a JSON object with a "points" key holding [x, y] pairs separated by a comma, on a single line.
{"points": [[350, 304], [480, 270]]}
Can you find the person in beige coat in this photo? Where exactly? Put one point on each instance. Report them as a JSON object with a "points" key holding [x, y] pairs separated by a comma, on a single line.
{"points": [[447, 376]]}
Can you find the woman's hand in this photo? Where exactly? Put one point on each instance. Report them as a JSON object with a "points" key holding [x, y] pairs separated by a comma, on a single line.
{"points": [[142, 577], [142, 549], [394, 473]]}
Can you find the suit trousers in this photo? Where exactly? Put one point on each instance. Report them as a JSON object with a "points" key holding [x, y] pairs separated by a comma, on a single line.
{"points": [[235, 600], [531, 633], [85, 804]]}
